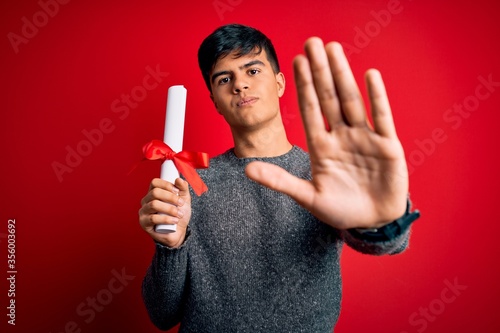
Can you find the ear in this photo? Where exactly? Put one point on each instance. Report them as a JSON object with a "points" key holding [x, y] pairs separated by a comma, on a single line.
{"points": [[280, 81]]}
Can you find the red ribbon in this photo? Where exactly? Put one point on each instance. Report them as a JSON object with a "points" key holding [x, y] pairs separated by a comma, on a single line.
{"points": [[185, 161]]}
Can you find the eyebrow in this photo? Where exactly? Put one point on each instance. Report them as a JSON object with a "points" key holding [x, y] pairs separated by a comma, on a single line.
{"points": [[248, 64]]}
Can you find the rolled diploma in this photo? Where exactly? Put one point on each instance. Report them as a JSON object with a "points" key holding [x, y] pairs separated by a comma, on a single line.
{"points": [[173, 137]]}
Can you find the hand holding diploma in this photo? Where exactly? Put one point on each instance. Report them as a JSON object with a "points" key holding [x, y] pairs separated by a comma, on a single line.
{"points": [[168, 202]]}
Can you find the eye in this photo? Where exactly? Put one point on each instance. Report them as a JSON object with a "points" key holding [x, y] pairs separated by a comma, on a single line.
{"points": [[253, 71], [224, 80]]}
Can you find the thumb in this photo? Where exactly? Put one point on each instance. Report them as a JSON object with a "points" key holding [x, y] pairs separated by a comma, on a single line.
{"points": [[278, 179], [183, 187]]}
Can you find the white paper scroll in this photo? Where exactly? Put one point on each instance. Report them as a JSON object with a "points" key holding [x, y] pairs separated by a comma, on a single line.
{"points": [[173, 137]]}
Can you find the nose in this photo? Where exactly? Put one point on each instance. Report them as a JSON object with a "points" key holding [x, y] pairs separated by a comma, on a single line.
{"points": [[239, 85]]}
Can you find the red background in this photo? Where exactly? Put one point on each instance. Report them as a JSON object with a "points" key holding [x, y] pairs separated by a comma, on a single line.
{"points": [[74, 231]]}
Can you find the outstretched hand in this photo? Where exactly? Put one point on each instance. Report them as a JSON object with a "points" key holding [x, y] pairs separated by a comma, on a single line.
{"points": [[359, 174]]}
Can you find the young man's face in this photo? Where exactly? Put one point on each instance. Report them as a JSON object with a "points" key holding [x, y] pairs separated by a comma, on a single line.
{"points": [[246, 90]]}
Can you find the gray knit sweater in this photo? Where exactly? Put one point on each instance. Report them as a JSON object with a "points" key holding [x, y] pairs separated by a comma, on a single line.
{"points": [[253, 260]]}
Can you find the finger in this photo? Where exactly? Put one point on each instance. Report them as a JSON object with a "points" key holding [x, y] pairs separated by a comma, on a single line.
{"points": [[161, 183], [171, 198], [162, 195], [151, 220], [351, 102], [380, 107], [323, 81], [148, 219], [276, 178], [308, 101], [160, 207], [162, 190], [183, 187]]}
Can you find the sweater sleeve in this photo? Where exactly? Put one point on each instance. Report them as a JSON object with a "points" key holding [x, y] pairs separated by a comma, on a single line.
{"points": [[163, 287]]}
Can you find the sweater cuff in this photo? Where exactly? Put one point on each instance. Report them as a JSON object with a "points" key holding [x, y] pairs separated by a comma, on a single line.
{"points": [[390, 231]]}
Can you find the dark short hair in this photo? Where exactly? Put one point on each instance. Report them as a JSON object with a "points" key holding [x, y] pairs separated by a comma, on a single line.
{"points": [[233, 38]]}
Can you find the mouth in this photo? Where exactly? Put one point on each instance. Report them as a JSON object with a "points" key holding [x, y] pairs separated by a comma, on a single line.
{"points": [[245, 101]]}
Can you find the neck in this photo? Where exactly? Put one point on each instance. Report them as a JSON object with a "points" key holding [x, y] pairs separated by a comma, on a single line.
{"points": [[267, 141]]}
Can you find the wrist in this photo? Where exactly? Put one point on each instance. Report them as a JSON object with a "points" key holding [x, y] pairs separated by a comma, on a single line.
{"points": [[181, 235], [390, 230]]}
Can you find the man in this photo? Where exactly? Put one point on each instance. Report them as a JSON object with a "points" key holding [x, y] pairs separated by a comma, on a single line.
{"points": [[259, 252]]}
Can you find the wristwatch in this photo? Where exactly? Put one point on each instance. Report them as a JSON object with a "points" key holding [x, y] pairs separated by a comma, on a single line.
{"points": [[391, 230]]}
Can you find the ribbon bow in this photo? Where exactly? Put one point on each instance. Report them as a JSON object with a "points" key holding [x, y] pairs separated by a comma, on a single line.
{"points": [[185, 161]]}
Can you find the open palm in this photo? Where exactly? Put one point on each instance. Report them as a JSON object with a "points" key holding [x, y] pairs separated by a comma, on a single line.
{"points": [[359, 174]]}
